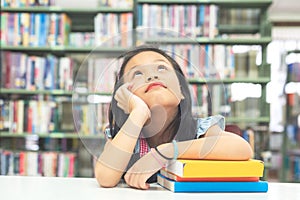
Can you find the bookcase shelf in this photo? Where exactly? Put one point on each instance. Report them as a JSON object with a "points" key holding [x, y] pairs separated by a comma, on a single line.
{"points": [[53, 135], [232, 28], [36, 92], [248, 119], [64, 49], [48, 92], [204, 40], [290, 150], [79, 11], [83, 21], [260, 80], [224, 3]]}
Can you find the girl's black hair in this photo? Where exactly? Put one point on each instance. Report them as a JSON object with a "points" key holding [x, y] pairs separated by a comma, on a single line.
{"points": [[183, 127]]}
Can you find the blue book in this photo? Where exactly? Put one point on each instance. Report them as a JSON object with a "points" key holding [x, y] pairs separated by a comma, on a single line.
{"points": [[175, 186]]}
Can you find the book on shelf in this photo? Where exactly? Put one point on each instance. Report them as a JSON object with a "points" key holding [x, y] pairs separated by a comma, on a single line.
{"points": [[216, 168], [35, 29], [294, 71], [25, 116], [116, 3], [183, 20], [20, 116], [108, 25], [245, 64], [176, 186], [26, 3], [236, 16], [33, 163], [23, 71]]}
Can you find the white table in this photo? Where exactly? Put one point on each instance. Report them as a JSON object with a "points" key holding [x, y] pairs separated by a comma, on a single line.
{"points": [[54, 188]]}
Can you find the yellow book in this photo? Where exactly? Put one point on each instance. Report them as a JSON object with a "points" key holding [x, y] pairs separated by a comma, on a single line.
{"points": [[216, 168]]}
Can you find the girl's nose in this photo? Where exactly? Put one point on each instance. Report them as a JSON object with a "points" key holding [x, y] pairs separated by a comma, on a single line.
{"points": [[150, 78]]}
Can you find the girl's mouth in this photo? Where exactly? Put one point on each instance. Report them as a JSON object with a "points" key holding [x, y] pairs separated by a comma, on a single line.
{"points": [[155, 84]]}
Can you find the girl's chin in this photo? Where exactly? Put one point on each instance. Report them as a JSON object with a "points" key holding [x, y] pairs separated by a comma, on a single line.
{"points": [[162, 104]]}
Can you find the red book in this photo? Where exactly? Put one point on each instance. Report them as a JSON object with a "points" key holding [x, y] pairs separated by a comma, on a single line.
{"points": [[207, 179], [29, 119], [22, 163]]}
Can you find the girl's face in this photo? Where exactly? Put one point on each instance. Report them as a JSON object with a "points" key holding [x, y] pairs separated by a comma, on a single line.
{"points": [[153, 79]]}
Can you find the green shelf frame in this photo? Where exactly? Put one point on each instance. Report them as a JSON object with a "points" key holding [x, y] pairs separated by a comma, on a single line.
{"points": [[203, 40], [55, 9], [223, 3], [265, 119], [293, 51], [229, 28], [261, 80], [56, 135], [65, 49], [35, 92], [46, 92]]}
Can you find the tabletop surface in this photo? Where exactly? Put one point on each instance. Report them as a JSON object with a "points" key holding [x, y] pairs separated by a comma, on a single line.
{"points": [[44, 188]]}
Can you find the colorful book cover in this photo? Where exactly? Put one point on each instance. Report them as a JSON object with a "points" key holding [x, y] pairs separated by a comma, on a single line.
{"points": [[207, 179], [216, 168], [189, 187]]}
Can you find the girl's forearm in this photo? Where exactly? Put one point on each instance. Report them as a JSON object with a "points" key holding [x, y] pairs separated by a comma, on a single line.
{"points": [[117, 152], [221, 147]]}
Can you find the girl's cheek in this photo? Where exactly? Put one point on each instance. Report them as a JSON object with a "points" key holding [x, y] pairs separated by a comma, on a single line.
{"points": [[137, 85]]}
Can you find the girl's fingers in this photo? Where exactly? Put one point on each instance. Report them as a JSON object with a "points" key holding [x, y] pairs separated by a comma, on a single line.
{"points": [[137, 180]]}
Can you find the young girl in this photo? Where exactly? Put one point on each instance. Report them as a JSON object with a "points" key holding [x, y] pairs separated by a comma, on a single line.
{"points": [[151, 123]]}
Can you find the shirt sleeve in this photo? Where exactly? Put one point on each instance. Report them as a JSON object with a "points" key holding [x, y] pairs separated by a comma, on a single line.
{"points": [[204, 123]]}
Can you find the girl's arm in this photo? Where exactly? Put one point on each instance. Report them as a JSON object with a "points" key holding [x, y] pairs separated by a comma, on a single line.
{"points": [[117, 152], [217, 144]]}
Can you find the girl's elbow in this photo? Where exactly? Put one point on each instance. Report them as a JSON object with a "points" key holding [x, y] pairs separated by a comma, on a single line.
{"points": [[104, 179], [245, 150]]}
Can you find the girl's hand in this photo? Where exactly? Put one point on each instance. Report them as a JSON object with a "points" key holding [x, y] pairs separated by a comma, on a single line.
{"points": [[128, 102], [142, 170]]}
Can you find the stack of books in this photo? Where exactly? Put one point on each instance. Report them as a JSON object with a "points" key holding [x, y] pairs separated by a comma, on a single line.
{"points": [[213, 176]]}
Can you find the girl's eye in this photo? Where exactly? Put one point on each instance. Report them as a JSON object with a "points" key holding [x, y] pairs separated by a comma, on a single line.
{"points": [[161, 68], [137, 74]]}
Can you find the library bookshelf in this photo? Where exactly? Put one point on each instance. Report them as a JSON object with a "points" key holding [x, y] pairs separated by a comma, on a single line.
{"points": [[211, 33], [291, 145]]}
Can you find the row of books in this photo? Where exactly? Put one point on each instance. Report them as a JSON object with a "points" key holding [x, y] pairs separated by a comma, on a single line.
{"points": [[22, 71], [116, 3], [30, 116], [30, 3], [90, 118], [35, 29], [293, 132], [29, 163], [108, 26], [184, 175], [185, 20], [245, 64], [293, 101], [82, 39], [46, 117], [26, 3], [294, 71], [205, 103], [214, 61], [294, 172], [236, 16], [227, 100]]}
